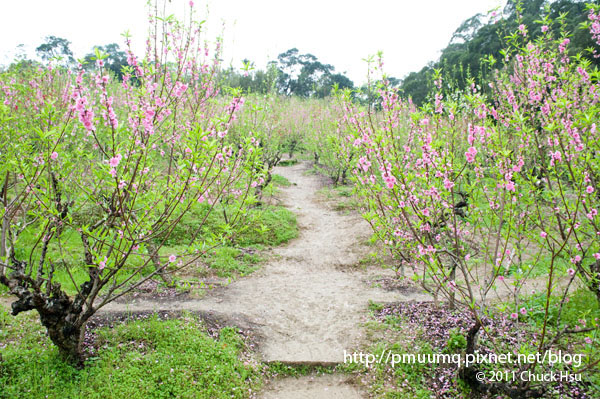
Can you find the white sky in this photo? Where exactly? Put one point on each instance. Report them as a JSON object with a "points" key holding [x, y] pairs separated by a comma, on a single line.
{"points": [[339, 32]]}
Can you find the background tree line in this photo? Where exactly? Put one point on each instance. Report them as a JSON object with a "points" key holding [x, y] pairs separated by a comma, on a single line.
{"points": [[292, 73], [58, 49], [482, 36], [295, 74]]}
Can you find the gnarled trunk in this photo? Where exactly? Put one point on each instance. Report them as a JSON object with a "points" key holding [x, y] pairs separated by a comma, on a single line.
{"points": [[63, 318], [67, 336], [470, 375]]}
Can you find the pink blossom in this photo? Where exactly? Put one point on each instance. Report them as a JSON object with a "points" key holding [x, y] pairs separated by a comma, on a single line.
{"points": [[514, 316], [114, 161], [570, 272], [563, 45], [543, 234], [54, 155], [390, 180], [448, 184], [588, 340], [452, 285], [470, 154], [523, 311], [172, 258], [364, 164], [589, 189]]}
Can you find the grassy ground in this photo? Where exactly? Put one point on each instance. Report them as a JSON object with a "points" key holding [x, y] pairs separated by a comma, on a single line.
{"points": [[146, 357], [341, 195], [258, 229], [149, 358]]}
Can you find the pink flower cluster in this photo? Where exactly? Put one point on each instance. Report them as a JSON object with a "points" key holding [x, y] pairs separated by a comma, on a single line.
{"points": [[470, 154]]}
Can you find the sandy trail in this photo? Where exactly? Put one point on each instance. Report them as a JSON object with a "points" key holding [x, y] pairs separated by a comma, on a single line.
{"points": [[307, 306], [329, 386], [307, 303]]}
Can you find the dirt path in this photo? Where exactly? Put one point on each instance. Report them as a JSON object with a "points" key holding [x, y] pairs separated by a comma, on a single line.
{"points": [[307, 303]]}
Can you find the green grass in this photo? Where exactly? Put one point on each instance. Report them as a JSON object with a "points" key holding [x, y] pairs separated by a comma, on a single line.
{"points": [[277, 369], [231, 262], [274, 226], [288, 162], [582, 305], [280, 181], [151, 358], [342, 195], [266, 226]]}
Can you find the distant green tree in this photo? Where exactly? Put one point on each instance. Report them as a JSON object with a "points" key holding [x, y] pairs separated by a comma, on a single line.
{"points": [[482, 36], [305, 76], [115, 59], [55, 48], [292, 73], [251, 80], [418, 84], [335, 80]]}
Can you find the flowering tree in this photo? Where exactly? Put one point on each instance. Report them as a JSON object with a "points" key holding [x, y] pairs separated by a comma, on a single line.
{"points": [[277, 125], [134, 156], [474, 193], [327, 138]]}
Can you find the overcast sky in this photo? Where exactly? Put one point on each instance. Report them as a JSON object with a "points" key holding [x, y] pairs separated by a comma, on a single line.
{"points": [[339, 32]]}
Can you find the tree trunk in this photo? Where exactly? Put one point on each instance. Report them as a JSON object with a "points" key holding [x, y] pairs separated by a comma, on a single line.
{"points": [[452, 299], [292, 148], [63, 318], [3, 237], [67, 336], [481, 388], [162, 272], [261, 187]]}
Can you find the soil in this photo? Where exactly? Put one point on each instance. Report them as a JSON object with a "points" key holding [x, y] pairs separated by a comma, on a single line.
{"points": [[328, 386], [308, 302]]}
